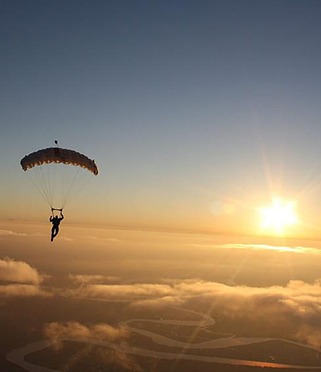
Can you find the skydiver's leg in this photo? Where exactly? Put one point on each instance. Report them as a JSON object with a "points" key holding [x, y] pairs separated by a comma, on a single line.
{"points": [[54, 232]]}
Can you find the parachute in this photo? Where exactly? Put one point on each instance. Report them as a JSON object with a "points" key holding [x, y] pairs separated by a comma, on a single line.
{"points": [[58, 155], [54, 171]]}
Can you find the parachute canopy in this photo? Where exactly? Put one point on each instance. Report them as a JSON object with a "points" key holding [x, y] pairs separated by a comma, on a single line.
{"points": [[58, 155]]}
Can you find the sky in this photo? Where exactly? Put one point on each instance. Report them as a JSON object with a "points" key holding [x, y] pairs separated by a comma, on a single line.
{"points": [[197, 113], [202, 117]]}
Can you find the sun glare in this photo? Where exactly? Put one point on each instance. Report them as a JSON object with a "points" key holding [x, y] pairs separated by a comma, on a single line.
{"points": [[279, 216]]}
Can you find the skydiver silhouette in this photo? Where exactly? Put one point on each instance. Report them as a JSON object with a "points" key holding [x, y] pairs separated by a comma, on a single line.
{"points": [[55, 220]]}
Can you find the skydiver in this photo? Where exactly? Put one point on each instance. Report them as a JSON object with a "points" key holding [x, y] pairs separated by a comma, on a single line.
{"points": [[55, 220]]}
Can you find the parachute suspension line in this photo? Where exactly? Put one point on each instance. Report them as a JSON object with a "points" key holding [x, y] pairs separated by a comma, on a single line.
{"points": [[63, 183], [43, 183], [53, 179], [46, 180], [71, 184], [45, 198], [48, 188]]}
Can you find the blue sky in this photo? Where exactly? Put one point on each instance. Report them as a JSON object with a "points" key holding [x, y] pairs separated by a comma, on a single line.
{"points": [[186, 106]]}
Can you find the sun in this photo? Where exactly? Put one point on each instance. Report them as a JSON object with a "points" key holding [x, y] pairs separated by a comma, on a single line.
{"points": [[279, 216]]}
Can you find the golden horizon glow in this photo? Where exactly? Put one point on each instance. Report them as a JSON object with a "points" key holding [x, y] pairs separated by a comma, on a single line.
{"points": [[279, 216]]}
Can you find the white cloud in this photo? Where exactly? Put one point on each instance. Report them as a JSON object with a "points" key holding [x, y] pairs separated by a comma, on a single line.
{"points": [[87, 279], [296, 295], [297, 304], [263, 247], [294, 249], [18, 272], [57, 331], [22, 290], [73, 330], [125, 291], [11, 233], [24, 280]]}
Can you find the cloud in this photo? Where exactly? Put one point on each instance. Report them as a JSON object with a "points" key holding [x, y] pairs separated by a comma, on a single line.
{"points": [[263, 247], [87, 279], [11, 233], [24, 278], [303, 299], [66, 238], [309, 335], [74, 330], [104, 239], [22, 290], [299, 298], [295, 307], [57, 332], [125, 291], [18, 272], [295, 249]]}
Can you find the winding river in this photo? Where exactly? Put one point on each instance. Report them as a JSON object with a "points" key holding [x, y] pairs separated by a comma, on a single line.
{"points": [[17, 356]]}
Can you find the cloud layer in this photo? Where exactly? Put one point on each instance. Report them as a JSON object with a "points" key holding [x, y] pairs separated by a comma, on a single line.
{"points": [[87, 279], [295, 307], [22, 290], [19, 279], [11, 233], [18, 272], [57, 331]]}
